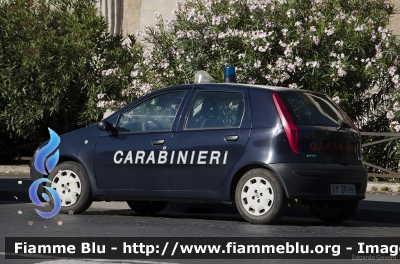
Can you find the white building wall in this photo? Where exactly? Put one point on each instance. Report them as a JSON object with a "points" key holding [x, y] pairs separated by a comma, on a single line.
{"points": [[130, 15]]}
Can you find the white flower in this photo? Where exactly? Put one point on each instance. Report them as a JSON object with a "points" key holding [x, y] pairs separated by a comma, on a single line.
{"points": [[257, 64], [101, 104], [169, 24], [341, 72], [109, 71], [127, 43], [134, 73], [330, 30], [157, 16], [164, 64], [288, 51], [293, 86], [392, 70], [125, 92], [298, 62], [315, 40], [395, 79], [313, 29], [360, 28], [101, 96], [262, 49], [284, 31], [216, 20], [291, 67], [390, 114], [297, 24], [396, 106], [339, 43], [291, 12], [180, 34], [314, 64], [336, 99], [139, 33], [397, 128]]}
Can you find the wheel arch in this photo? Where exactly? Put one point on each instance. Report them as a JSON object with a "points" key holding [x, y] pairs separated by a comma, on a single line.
{"points": [[239, 173]]}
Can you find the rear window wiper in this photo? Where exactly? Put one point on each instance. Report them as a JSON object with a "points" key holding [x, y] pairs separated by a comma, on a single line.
{"points": [[342, 124]]}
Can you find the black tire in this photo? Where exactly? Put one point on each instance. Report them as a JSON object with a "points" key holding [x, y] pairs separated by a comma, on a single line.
{"points": [[264, 204], [334, 211], [81, 197], [147, 207]]}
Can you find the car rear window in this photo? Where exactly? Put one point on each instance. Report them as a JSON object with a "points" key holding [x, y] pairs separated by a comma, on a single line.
{"points": [[312, 109]]}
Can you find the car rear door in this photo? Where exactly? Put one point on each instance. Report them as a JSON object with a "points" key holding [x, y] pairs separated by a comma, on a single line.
{"points": [[211, 138]]}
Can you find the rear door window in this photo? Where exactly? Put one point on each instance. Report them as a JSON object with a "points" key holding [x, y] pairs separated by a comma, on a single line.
{"points": [[313, 109], [216, 110]]}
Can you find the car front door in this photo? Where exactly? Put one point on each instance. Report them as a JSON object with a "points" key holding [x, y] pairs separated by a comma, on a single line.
{"points": [[135, 156], [210, 140]]}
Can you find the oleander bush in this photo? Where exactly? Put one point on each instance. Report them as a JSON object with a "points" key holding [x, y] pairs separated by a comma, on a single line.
{"points": [[339, 47], [52, 55]]}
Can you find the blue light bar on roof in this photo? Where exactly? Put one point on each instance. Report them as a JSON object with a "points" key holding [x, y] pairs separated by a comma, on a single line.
{"points": [[229, 74]]}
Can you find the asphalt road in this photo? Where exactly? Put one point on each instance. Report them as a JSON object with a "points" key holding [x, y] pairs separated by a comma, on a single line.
{"points": [[115, 219]]}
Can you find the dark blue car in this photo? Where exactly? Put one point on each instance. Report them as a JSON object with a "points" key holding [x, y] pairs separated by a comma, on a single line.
{"points": [[264, 148]]}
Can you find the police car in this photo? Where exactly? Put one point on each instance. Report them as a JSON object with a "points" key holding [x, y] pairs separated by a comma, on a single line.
{"points": [[263, 148]]}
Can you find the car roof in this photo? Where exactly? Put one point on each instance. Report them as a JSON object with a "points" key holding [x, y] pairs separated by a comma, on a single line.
{"points": [[244, 85]]}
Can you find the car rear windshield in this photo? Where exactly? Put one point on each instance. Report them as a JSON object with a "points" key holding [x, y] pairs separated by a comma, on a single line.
{"points": [[313, 109]]}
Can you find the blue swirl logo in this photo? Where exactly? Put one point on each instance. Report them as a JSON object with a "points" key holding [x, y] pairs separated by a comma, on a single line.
{"points": [[51, 162], [45, 151], [35, 198]]}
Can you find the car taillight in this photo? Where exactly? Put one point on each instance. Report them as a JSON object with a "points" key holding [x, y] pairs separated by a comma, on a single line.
{"points": [[291, 130]]}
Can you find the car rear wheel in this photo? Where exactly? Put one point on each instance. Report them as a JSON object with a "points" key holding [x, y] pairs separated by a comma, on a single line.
{"points": [[260, 197], [71, 182], [334, 211], [147, 207]]}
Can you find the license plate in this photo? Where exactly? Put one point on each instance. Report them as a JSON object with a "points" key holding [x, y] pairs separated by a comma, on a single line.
{"points": [[343, 189]]}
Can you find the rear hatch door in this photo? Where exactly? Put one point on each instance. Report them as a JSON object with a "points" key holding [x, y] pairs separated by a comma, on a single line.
{"points": [[326, 134]]}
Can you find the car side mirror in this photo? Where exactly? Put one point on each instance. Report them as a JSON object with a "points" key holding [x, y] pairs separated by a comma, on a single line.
{"points": [[103, 125]]}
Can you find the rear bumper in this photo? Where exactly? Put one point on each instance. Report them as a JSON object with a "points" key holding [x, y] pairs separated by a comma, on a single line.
{"points": [[313, 180]]}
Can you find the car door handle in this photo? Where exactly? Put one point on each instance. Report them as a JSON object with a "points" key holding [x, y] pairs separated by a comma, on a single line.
{"points": [[157, 142], [232, 138]]}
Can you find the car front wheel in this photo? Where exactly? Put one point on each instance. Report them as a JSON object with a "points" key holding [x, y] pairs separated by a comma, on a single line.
{"points": [[260, 197], [71, 182], [334, 211]]}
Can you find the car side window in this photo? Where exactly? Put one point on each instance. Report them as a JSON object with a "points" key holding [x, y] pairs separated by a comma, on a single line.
{"points": [[215, 110], [155, 114]]}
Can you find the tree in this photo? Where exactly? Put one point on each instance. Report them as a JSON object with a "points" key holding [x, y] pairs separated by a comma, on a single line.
{"points": [[51, 59]]}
